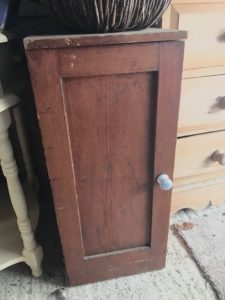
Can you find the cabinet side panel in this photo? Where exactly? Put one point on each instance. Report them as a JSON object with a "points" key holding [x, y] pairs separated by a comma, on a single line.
{"points": [[48, 97]]}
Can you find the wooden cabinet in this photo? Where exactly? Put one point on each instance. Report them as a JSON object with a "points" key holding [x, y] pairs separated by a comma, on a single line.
{"points": [[108, 109], [201, 126]]}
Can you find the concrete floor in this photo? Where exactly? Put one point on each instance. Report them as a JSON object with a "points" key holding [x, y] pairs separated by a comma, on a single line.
{"points": [[181, 279]]}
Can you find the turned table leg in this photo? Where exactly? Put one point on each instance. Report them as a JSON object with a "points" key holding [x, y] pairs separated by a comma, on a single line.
{"points": [[17, 116], [32, 251]]}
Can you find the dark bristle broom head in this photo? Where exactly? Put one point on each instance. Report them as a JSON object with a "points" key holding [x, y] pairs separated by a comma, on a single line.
{"points": [[99, 16]]}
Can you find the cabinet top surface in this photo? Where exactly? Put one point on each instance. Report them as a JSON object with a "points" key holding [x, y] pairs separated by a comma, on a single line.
{"points": [[127, 37]]}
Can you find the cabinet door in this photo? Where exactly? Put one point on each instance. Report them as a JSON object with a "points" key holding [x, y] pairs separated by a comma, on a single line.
{"points": [[204, 21], [108, 116]]}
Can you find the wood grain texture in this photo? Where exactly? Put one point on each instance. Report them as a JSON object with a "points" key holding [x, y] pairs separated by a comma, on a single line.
{"points": [[83, 62], [144, 36], [165, 143], [104, 138], [113, 173]]}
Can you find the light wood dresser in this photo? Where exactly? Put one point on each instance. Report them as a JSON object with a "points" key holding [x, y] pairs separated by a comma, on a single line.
{"points": [[199, 175]]}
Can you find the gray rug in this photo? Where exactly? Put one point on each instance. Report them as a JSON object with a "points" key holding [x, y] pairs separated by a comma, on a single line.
{"points": [[180, 280], [204, 234]]}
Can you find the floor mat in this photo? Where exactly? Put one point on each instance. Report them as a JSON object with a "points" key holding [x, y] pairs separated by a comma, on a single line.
{"points": [[180, 280], [204, 234]]}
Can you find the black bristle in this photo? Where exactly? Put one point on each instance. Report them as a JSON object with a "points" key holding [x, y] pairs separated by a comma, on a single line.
{"points": [[96, 16]]}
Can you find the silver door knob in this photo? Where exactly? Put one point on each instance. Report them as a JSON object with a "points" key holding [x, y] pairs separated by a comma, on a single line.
{"points": [[165, 182]]}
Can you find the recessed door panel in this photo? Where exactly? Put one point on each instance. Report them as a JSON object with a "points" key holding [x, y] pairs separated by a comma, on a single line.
{"points": [[112, 140]]}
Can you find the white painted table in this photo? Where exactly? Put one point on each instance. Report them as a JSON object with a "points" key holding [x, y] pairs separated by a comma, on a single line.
{"points": [[17, 240]]}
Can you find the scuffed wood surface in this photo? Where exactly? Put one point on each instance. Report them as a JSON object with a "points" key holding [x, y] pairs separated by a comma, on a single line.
{"points": [[65, 41]]}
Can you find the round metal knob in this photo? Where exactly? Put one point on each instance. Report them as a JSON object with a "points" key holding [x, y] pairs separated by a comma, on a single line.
{"points": [[165, 182], [219, 156], [221, 102]]}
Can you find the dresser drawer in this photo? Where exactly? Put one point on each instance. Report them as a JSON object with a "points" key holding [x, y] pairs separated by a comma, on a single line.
{"points": [[202, 107], [194, 159], [196, 197], [205, 24]]}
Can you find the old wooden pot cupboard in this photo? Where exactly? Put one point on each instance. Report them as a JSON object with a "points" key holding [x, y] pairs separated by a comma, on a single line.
{"points": [[108, 109]]}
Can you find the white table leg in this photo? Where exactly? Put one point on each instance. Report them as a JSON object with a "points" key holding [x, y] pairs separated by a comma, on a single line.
{"points": [[32, 251], [17, 116]]}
